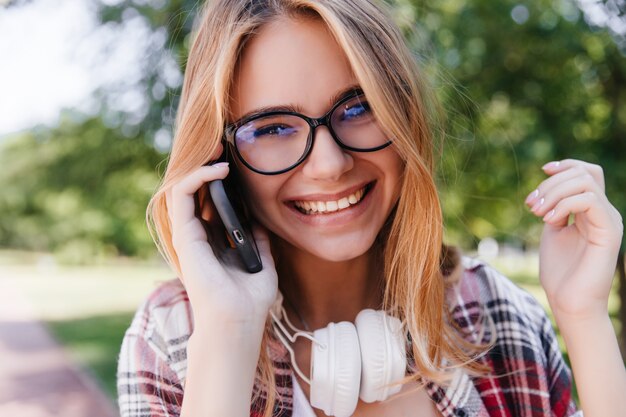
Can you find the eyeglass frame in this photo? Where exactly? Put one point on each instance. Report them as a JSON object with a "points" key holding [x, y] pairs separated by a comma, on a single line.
{"points": [[229, 133]]}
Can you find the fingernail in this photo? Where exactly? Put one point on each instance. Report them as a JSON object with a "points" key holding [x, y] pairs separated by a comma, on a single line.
{"points": [[220, 165], [532, 196], [550, 214], [538, 204], [552, 164]]}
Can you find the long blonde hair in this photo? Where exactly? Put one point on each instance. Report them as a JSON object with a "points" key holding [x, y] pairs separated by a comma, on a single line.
{"points": [[414, 255]]}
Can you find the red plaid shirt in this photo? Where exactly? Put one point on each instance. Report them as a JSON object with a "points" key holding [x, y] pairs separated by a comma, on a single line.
{"points": [[529, 377]]}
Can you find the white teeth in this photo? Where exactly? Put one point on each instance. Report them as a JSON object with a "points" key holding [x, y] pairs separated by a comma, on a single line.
{"points": [[330, 206]]}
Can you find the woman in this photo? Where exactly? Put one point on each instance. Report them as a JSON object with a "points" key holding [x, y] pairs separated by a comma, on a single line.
{"points": [[351, 223]]}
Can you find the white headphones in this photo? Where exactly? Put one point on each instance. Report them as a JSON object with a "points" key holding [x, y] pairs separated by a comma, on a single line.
{"points": [[349, 361]]}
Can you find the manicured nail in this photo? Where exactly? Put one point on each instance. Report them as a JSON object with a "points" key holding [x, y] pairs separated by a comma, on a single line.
{"points": [[538, 204], [532, 196], [552, 164], [550, 214], [220, 165]]}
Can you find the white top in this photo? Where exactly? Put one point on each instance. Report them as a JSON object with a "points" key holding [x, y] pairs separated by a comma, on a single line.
{"points": [[301, 406]]}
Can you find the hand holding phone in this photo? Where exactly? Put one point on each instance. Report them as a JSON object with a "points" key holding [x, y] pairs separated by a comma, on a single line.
{"points": [[219, 287], [244, 245]]}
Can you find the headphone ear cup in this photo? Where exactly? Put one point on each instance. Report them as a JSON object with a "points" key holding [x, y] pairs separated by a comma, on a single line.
{"points": [[383, 354], [336, 369]]}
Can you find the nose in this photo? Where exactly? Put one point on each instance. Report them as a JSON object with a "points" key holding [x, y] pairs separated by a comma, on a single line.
{"points": [[327, 160]]}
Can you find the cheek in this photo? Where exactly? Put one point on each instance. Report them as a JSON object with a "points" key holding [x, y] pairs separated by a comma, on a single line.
{"points": [[399, 181], [259, 195], [394, 168]]}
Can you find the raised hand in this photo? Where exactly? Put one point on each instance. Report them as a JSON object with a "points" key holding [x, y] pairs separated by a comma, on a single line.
{"points": [[218, 288], [577, 260]]}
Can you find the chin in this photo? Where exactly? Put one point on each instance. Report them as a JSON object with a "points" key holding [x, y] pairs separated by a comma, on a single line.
{"points": [[339, 251]]}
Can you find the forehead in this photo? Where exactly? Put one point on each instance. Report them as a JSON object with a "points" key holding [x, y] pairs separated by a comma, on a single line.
{"points": [[290, 61]]}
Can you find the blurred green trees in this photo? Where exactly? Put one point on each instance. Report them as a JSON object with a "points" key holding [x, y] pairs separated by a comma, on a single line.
{"points": [[522, 83], [79, 190], [525, 83]]}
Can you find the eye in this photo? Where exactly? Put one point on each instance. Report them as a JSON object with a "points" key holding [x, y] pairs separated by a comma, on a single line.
{"points": [[274, 130], [355, 110]]}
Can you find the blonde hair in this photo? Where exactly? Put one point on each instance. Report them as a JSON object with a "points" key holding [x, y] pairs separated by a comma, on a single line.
{"points": [[414, 255]]}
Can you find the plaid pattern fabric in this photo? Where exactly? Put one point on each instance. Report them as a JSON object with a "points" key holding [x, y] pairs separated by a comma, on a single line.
{"points": [[529, 377]]}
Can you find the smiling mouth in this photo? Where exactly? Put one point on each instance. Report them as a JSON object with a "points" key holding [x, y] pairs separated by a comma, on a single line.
{"points": [[332, 206]]}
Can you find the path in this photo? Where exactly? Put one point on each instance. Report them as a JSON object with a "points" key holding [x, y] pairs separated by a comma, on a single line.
{"points": [[37, 377]]}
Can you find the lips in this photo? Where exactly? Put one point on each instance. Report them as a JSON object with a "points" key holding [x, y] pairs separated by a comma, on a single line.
{"points": [[325, 206]]}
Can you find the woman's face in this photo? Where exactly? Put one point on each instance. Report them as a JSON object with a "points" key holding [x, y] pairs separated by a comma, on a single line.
{"points": [[297, 62]]}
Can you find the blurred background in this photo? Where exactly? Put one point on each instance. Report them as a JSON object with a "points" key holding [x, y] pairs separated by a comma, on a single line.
{"points": [[88, 93]]}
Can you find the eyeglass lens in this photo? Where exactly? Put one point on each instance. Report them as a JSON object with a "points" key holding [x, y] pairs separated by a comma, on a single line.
{"points": [[276, 142]]}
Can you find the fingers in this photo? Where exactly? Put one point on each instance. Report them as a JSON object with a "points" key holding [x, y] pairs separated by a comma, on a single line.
{"points": [[180, 200], [567, 177], [594, 170], [550, 183], [587, 202], [573, 187], [563, 185]]}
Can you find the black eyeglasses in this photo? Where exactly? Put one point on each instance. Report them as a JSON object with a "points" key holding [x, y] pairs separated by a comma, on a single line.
{"points": [[274, 142]]}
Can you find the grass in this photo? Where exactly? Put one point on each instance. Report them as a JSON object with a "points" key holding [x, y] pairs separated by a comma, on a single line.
{"points": [[95, 342], [88, 308]]}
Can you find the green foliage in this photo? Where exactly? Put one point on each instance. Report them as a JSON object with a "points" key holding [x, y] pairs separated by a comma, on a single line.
{"points": [[94, 342], [78, 190], [524, 83], [171, 20]]}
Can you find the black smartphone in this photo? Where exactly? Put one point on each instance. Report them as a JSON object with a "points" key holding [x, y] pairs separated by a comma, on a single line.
{"points": [[244, 244]]}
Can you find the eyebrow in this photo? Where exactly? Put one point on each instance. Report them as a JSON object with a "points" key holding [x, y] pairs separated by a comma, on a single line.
{"points": [[297, 108]]}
